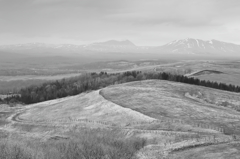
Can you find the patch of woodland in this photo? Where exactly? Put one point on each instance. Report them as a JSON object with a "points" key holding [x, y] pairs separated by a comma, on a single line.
{"points": [[94, 81]]}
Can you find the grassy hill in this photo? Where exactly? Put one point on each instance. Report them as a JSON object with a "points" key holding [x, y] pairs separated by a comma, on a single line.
{"points": [[176, 120]]}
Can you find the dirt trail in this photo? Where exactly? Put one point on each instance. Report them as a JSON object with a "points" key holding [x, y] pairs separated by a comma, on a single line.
{"points": [[93, 110]]}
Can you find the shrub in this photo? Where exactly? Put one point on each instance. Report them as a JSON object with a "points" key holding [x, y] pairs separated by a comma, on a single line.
{"points": [[86, 144]]}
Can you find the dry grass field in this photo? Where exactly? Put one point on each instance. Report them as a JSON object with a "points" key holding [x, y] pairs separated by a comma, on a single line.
{"points": [[208, 116], [151, 119]]}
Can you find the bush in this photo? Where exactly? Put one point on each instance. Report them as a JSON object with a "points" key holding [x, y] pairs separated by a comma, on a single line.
{"points": [[14, 151], [87, 144]]}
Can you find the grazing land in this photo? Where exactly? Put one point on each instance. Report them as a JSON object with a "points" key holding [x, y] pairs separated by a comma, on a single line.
{"points": [[162, 119]]}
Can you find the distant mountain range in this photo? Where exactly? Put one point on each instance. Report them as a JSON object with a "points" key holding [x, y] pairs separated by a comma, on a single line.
{"points": [[186, 46], [197, 46]]}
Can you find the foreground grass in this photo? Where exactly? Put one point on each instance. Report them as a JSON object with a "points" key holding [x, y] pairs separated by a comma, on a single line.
{"points": [[86, 144]]}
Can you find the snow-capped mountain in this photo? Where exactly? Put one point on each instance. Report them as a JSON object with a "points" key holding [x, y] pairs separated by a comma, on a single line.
{"points": [[197, 46], [126, 47]]}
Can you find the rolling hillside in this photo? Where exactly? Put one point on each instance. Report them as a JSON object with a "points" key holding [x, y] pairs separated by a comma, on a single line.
{"points": [[177, 120]]}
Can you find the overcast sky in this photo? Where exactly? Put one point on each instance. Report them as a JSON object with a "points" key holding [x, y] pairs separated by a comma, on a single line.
{"points": [[144, 22]]}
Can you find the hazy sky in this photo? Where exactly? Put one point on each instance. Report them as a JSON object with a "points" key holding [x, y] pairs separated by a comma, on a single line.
{"points": [[144, 22]]}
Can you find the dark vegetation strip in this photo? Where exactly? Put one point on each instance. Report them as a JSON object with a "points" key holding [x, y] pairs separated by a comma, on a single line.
{"points": [[94, 81]]}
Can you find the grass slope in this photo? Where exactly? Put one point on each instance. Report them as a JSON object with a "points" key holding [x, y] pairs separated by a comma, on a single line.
{"points": [[90, 106], [176, 120], [169, 101]]}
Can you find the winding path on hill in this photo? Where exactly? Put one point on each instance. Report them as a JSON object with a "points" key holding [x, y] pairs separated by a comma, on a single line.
{"points": [[105, 111], [126, 95], [203, 72]]}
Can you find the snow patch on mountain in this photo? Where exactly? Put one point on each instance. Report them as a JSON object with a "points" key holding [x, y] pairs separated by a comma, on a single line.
{"points": [[197, 46]]}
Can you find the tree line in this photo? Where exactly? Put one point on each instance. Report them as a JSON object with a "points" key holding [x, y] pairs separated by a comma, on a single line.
{"points": [[94, 81]]}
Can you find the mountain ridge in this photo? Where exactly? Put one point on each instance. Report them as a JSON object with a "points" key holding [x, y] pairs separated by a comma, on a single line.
{"points": [[182, 46], [198, 46]]}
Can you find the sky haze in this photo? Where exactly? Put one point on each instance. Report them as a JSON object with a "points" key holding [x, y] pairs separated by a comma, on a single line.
{"points": [[152, 22]]}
